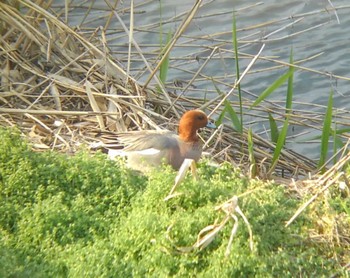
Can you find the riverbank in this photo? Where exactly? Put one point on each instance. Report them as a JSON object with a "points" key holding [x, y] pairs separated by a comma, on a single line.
{"points": [[87, 216]]}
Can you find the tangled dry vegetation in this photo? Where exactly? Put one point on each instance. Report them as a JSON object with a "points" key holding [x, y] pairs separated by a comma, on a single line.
{"points": [[59, 86]]}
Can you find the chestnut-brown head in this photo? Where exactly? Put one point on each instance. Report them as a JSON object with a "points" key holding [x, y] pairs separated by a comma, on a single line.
{"points": [[189, 124]]}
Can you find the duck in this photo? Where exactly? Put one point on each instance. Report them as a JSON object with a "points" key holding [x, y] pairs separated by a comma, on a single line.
{"points": [[148, 149]]}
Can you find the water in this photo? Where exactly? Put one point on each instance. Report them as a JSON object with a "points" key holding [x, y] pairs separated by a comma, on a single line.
{"points": [[281, 25]]}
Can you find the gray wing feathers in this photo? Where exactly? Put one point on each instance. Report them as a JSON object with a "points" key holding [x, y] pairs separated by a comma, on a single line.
{"points": [[142, 140]]}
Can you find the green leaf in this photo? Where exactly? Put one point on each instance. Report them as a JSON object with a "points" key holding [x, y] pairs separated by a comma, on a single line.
{"points": [[272, 88], [220, 119], [163, 70], [274, 129], [290, 84], [318, 137], [280, 143], [235, 47], [326, 130], [342, 130], [253, 168], [337, 144], [233, 116], [222, 114]]}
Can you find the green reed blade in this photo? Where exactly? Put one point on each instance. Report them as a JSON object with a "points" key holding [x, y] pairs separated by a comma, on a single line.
{"points": [[279, 145], [253, 169], [274, 129], [233, 116], [337, 144], [160, 24], [289, 99], [342, 130], [318, 137], [231, 112], [235, 47], [280, 138], [282, 79], [326, 130], [163, 70]]}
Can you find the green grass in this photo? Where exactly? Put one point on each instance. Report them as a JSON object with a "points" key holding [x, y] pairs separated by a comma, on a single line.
{"points": [[86, 216]]}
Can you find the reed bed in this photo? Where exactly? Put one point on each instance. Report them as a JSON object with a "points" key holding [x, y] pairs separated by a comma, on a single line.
{"points": [[61, 83]]}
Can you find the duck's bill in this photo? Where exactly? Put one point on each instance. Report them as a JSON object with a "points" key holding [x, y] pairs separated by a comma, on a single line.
{"points": [[210, 125]]}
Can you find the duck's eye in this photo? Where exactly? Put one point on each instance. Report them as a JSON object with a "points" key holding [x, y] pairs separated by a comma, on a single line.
{"points": [[200, 117]]}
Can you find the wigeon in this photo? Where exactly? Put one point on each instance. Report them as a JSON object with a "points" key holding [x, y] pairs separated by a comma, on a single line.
{"points": [[150, 148]]}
